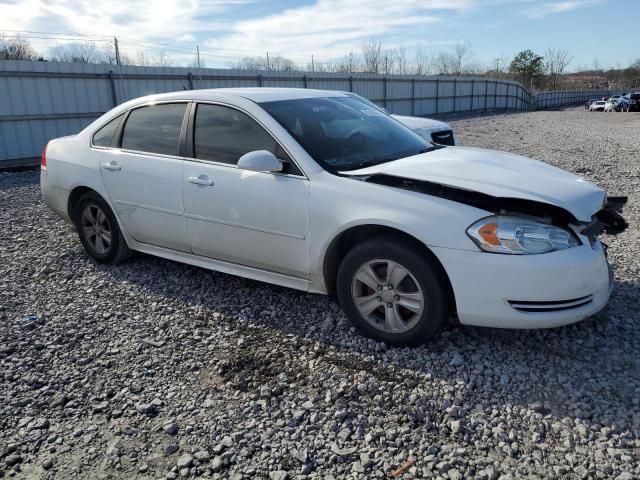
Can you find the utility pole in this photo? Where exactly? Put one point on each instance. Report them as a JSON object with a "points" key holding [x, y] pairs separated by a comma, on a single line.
{"points": [[198, 54], [268, 66], [115, 43]]}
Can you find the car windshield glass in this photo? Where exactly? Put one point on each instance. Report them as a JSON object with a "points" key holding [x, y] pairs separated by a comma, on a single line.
{"points": [[343, 133], [635, 96]]}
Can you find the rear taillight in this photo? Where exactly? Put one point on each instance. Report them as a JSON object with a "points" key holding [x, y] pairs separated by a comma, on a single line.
{"points": [[43, 158]]}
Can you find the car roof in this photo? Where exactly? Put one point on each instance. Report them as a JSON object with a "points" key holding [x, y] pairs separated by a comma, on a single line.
{"points": [[256, 94]]}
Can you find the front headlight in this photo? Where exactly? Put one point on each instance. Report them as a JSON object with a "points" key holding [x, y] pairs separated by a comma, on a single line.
{"points": [[519, 236]]}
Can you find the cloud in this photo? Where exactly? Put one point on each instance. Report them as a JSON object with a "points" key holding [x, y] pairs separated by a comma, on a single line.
{"points": [[155, 20], [542, 10], [330, 28]]}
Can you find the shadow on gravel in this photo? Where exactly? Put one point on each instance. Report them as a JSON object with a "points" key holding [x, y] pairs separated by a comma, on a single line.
{"points": [[12, 178], [587, 370]]}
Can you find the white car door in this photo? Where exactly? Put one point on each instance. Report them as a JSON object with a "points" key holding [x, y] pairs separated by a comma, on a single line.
{"points": [[255, 219], [142, 173]]}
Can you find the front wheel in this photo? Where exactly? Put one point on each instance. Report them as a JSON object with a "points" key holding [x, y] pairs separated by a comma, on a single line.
{"points": [[99, 231], [392, 292]]}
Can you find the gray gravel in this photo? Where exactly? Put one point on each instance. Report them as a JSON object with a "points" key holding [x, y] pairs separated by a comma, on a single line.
{"points": [[154, 369]]}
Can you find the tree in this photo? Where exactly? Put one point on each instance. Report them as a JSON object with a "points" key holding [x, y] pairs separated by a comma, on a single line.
{"points": [[443, 63], [423, 63], [77, 53], [460, 57], [16, 48], [527, 65], [276, 63], [555, 62], [372, 56]]}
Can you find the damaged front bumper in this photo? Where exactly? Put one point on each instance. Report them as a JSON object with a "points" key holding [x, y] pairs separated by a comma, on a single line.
{"points": [[528, 291]]}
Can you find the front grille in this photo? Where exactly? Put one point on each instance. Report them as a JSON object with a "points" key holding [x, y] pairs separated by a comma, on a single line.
{"points": [[550, 306], [444, 137]]}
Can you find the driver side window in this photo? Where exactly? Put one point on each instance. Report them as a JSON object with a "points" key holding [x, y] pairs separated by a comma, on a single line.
{"points": [[223, 134]]}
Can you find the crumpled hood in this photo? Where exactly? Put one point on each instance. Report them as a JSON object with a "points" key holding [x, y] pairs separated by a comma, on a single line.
{"points": [[417, 123], [498, 174]]}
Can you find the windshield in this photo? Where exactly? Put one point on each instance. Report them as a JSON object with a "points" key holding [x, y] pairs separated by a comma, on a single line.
{"points": [[635, 96], [343, 133]]}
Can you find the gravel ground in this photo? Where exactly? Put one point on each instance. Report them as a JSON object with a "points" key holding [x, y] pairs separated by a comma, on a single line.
{"points": [[154, 369]]}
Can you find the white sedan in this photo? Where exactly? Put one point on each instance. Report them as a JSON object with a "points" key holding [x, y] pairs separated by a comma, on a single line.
{"points": [[318, 191], [598, 106], [432, 130]]}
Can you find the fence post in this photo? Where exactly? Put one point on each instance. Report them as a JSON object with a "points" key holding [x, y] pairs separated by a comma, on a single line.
{"points": [[413, 96], [259, 79], [304, 79], [455, 93], [384, 85], [437, 95], [112, 82], [190, 80], [351, 83], [486, 89], [473, 86], [495, 94]]}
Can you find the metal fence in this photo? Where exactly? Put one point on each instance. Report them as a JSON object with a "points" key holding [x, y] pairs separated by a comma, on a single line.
{"points": [[568, 97], [44, 100]]}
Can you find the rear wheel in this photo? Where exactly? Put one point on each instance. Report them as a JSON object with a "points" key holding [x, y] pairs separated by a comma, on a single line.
{"points": [[99, 231], [392, 292]]}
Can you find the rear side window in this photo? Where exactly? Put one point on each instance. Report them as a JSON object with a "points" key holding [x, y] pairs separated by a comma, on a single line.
{"points": [[102, 138], [223, 134], [154, 129]]}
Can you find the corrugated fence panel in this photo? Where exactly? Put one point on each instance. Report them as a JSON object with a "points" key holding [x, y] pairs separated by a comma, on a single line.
{"points": [[44, 100]]}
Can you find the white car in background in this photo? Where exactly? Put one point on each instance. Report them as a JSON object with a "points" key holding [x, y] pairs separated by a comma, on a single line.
{"points": [[611, 105], [432, 130], [317, 190], [597, 106]]}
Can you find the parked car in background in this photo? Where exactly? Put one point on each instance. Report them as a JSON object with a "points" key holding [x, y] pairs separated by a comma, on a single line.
{"points": [[633, 102], [433, 130], [597, 106], [317, 190], [610, 105], [589, 102], [622, 104]]}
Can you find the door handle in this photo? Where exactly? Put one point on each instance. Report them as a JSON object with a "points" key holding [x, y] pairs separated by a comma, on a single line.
{"points": [[201, 180], [112, 166]]}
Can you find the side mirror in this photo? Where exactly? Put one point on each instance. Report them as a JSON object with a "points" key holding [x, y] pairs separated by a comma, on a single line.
{"points": [[260, 161]]}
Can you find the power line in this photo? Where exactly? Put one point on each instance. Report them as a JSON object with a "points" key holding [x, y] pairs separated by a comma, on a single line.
{"points": [[56, 33]]}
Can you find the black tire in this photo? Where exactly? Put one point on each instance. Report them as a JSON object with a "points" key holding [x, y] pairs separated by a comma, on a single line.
{"points": [[421, 266], [117, 250]]}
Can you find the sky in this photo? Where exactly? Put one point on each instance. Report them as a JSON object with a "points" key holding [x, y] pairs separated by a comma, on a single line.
{"points": [[227, 30]]}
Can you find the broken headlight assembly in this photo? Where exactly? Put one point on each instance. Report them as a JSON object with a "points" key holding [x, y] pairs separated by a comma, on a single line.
{"points": [[519, 236]]}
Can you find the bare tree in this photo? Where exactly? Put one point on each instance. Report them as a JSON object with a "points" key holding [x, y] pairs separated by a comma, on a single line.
{"points": [[397, 61], [556, 61], [423, 63], [276, 63], [461, 55], [347, 64], [596, 65], [16, 48], [372, 55], [443, 63], [86, 52]]}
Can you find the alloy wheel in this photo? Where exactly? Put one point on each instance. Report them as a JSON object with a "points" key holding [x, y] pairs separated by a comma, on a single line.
{"points": [[387, 296], [96, 228]]}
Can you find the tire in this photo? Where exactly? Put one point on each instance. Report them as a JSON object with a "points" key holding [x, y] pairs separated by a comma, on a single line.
{"points": [[390, 320], [96, 223]]}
